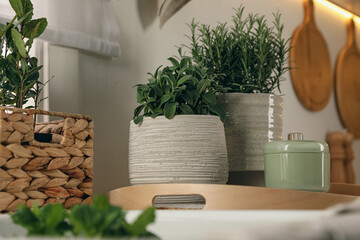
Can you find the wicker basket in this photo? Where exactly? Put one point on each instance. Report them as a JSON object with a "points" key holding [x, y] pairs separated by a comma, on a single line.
{"points": [[32, 171]]}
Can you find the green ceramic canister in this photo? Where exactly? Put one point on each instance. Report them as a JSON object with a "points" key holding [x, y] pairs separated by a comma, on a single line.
{"points": [[297, 164]]}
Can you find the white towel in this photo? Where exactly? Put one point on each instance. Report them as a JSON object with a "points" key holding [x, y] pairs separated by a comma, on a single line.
{"points": [[340, 222]]}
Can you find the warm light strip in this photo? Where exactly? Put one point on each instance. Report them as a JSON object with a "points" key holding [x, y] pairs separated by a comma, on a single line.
{"points": [[336, 8], [357, 19]]}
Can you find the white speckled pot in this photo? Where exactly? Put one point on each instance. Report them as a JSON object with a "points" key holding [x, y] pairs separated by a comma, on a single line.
{"points": [[185, 149], [252, 120]]}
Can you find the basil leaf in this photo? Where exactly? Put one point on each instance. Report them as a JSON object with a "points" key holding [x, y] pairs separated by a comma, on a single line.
{"points": [[138, 110], [138, 119], [186, 109], [184, 79], [209, 98], [170, 109], [165, 98], [217, 110]]}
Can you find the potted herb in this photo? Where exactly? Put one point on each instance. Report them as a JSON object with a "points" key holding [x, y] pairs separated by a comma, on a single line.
{"points": [[177, 134], [248, 59], [57, 170]]}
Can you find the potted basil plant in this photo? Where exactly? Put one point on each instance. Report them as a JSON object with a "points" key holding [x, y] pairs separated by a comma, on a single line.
{"points": [[248, 59], [177, 135]]}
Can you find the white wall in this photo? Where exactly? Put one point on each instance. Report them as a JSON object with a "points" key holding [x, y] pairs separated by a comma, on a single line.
{"points": [[64, 79], [105, 85]]}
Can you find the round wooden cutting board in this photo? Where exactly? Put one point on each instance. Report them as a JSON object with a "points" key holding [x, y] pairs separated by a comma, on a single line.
{"points": [[311, 71], [347, 79]]}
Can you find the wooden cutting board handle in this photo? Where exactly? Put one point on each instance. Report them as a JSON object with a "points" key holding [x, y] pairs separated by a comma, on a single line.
{"points": [[310, 65], [309, 12], [351, 39]]}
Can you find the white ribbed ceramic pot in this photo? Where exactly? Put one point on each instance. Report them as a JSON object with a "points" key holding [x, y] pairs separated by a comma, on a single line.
{"points": [[252, 120], [185, 149]]}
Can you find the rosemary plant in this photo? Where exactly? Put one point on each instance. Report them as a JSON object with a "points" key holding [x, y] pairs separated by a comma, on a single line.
{"points": [[249, 57]]}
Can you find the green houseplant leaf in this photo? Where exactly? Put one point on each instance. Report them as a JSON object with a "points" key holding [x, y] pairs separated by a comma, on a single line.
{"points": [[138, 119], [170, 109], [18, 7], [22, 8], [18, 41], [209, 98], [186, 109], [35, 28]]}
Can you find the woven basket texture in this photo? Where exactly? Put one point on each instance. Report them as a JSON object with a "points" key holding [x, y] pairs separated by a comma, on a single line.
{"points": [[60, 171]]}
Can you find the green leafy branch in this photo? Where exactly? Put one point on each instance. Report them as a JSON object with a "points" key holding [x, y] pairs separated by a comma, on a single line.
{"points": [[19, 73]]}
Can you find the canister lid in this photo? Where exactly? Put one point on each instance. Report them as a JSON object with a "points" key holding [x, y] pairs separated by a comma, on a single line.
{"points": [[296, 144]]}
